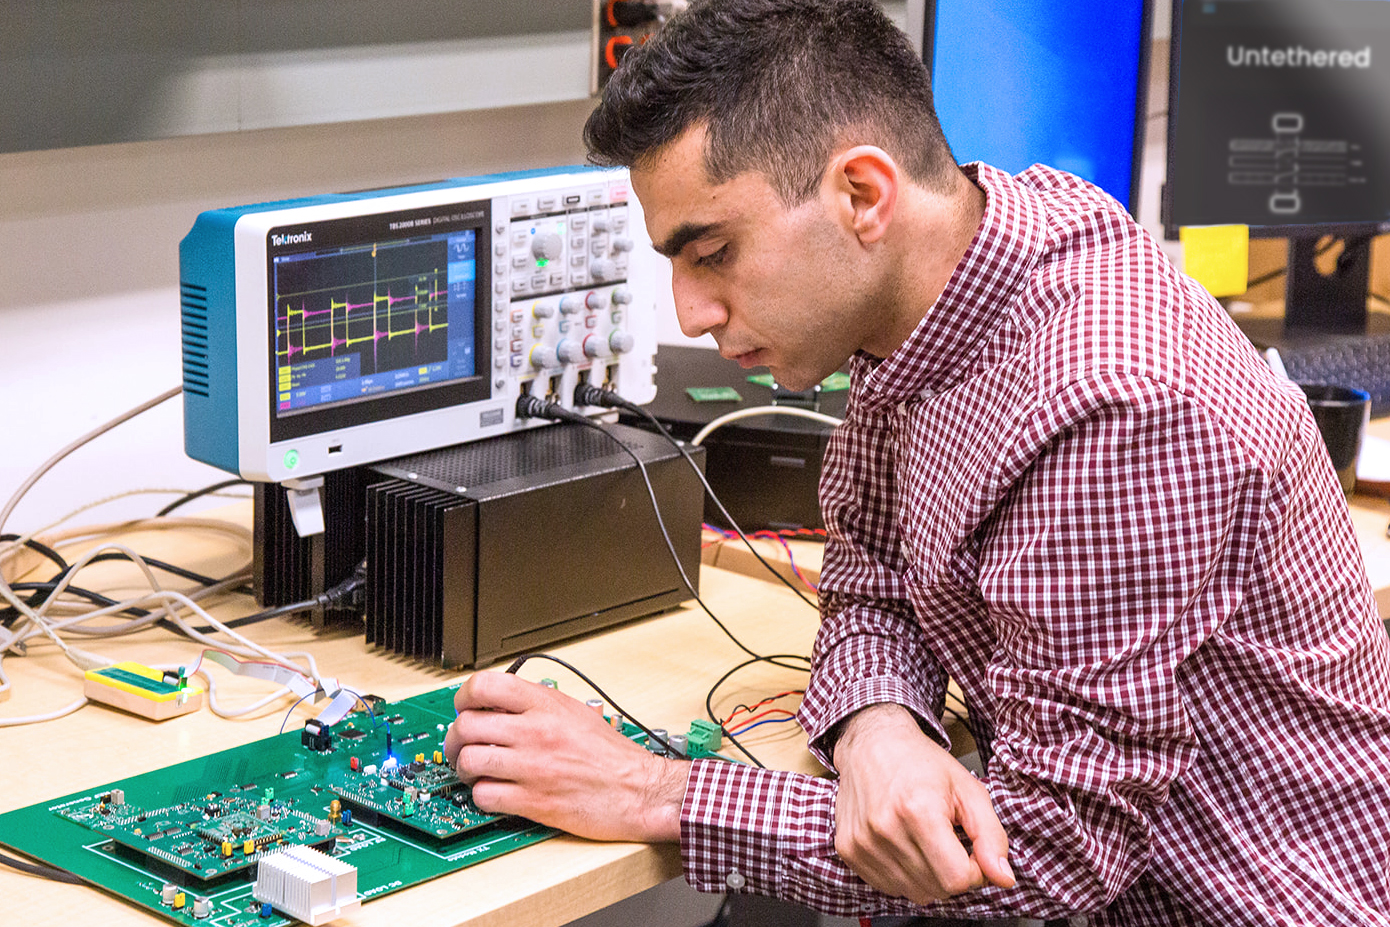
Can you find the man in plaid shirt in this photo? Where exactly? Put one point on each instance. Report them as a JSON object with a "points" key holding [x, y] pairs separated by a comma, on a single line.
{"points": [[1065, 480]]}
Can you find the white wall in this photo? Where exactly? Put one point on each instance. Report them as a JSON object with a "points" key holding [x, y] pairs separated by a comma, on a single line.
{"points": [[89, 313]]}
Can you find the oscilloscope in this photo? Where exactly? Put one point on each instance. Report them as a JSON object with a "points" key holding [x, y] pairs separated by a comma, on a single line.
{"points": [[344, 329]]}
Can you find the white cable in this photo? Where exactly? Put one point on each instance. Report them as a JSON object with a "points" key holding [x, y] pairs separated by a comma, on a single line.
{"points": [[5, 591], [737, 414], [94, 433], [52, 715]]}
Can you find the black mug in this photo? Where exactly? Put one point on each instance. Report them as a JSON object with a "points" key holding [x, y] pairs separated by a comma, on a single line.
{"points": [[1341, 414]]}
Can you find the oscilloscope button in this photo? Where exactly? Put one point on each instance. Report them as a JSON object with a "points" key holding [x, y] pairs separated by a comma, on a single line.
{"points": [[595, 346], [521, 206], [579, 221], [548, 202], [620, 341], [543, 356], [569, 351], [547, 246]]}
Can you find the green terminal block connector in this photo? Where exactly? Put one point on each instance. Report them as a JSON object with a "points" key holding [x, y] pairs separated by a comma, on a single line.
{"points": [[705, 738]]}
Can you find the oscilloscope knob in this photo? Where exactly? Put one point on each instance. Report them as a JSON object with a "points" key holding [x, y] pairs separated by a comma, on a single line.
{"points": [[622, 244], [543, 309], [603, 269], [547, 246], [571, 303], [569, 351], [596, 346], [595, 300], [621, 296], [621, 341], [543, 356], [599, 223]]}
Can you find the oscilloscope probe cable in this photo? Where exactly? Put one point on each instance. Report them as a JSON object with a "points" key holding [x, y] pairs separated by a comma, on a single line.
{"points": [[586, 394], [528, 406]]}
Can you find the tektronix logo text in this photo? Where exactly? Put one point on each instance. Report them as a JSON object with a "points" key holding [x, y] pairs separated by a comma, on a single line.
{"points": [[296, 238]]}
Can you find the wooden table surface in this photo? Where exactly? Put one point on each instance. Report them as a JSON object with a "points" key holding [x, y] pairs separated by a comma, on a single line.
{"points": [[658, 668]]}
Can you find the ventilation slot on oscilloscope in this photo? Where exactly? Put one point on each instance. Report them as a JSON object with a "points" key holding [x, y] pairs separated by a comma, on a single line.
{"points": [[194, 322]]}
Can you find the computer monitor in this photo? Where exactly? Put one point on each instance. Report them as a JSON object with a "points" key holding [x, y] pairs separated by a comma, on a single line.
{"points": [[1279, 120], [1019, 82]]}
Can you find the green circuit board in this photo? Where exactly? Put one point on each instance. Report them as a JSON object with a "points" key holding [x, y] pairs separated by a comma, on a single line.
{"points": [[372, 790]]}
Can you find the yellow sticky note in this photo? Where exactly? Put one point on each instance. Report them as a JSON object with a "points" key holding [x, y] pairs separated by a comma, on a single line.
{"points": [[1217, 257]]}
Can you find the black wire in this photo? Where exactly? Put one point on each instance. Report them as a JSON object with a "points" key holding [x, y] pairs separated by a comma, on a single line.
{"points": [[613, 400], [652, 735], [178, 571], [198, 493], [44, 549], [96, 598], [531, 407], [709, 696], [47, 872]]}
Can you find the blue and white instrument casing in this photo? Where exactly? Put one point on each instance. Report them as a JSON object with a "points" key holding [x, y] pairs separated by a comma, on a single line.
{"points": [[345, 329]]}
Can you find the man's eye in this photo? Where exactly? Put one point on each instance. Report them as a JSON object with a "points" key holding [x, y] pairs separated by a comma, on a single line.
{"points": [[713, 259]]}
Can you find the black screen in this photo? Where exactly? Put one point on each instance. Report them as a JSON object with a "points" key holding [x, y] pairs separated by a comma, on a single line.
{"points": [[1280, 115]]}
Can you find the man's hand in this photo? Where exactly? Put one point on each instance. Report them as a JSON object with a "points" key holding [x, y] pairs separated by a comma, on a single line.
{"points": [[529, 750], [901, 798]]}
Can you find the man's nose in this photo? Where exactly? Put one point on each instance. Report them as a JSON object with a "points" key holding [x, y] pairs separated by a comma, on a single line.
{"points": [[698, 308]]}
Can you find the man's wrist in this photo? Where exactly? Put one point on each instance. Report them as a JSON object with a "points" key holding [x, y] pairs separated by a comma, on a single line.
{"points": [[663, 797], [873, 720]]}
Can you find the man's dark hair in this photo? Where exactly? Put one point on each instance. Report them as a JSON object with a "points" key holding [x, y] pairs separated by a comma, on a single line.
{"points": [[777, 84]]}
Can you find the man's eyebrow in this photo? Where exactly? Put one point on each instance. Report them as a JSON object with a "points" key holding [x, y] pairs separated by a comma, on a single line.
{"points": [[683, 236]]}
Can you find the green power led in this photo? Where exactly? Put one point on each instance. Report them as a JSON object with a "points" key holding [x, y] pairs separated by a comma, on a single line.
{"points": [[291, 459]]}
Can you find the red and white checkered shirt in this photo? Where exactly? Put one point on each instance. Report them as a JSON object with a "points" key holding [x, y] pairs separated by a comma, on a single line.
{"points": [[1078, 491]]}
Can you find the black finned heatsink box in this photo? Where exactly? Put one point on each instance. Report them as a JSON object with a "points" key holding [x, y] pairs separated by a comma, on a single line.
{"points": [[482, 550], [487, 549]]}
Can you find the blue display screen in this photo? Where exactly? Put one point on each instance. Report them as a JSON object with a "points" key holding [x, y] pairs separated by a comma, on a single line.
{"points": [[1019, 82], [355, 321]]}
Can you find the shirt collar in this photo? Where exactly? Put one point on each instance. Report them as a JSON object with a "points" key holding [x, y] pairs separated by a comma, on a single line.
{"points": [[1011, 239]]}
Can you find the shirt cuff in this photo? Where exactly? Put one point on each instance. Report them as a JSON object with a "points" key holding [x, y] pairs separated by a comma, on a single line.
{"points": [[825, 705]]}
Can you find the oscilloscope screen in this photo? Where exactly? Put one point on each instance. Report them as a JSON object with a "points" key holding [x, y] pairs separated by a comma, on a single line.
{"points": [[376, 316]]}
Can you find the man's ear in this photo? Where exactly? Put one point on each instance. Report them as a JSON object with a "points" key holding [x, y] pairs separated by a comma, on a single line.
{"points": [[865, 181]]}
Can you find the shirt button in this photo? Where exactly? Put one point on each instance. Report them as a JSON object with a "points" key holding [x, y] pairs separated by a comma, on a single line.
{"points": [[735, 880]]}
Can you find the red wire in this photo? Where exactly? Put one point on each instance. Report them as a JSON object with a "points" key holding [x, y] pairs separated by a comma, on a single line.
{"points": [[754, 707], [758, 717]]}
